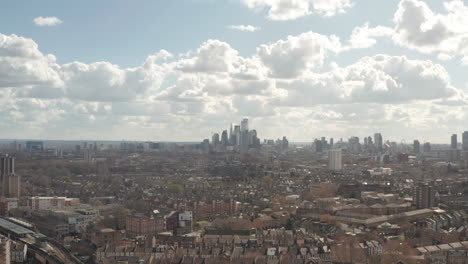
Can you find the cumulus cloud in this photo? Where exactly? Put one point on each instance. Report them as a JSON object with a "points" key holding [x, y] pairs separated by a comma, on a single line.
{"points": [[365, 37], [47, 21], [293, 9], [378, 79], [291, 57], [247, 28], [212, 56], [418, 27], [23, 65], [182, 98]]}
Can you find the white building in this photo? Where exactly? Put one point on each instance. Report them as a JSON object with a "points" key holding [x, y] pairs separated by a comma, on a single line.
{"points": [[335, 160]]}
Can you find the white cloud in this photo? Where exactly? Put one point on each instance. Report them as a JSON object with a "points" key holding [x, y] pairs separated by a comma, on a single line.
{"points": [[184, 98], [293, 9], [291, 57], [418, 27], [378, 79], [47, 21], [247, 28], [365, 37]]}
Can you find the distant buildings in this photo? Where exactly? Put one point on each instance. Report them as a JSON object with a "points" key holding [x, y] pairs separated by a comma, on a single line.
{"points": [[335, 160]]}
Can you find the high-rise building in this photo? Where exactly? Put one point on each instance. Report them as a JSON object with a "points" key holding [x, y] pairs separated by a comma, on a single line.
{"points": [[284, 144], [416, 146], [427, 147], [331, 143], [224, 138], [378, 140], [317, 146], [423, 196], [369, 141], [335, 160], [10, 182], [215, 139], [237, 133], [244, 142], [244, 125], [454, 141], [465, 141]]}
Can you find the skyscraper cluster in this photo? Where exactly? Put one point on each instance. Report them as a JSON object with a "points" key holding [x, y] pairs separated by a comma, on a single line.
{"points": [[239, 137]]}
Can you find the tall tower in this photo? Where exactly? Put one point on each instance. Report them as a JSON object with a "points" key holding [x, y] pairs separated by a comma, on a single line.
{"points": [[378, 141], [454, 142], [416, 146], [335, 160], [465, 141], [10, 183], [244, 125]]}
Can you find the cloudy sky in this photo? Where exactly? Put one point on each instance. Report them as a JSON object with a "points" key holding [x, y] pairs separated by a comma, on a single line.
{"points": [[182, 69]]}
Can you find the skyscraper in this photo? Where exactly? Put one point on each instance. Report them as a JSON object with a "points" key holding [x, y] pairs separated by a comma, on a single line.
{"points": [[427, 147], [378, 140], [10, 182], [244, 142], [237, 134], [244, 125], [465, 141], [215, 139], [224, 138], [454, 141], [416, 146], [335, 160]]}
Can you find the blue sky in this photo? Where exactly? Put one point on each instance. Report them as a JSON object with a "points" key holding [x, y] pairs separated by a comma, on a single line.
{"points": [[103, 68]]}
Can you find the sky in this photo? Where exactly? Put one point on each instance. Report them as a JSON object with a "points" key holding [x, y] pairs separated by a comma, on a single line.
{"points": [[182, 70]]}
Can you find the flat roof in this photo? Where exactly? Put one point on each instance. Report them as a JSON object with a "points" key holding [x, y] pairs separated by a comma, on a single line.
{"points": [[17, 229]]}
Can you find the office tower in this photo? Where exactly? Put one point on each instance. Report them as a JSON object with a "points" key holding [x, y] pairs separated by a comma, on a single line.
{"points": [[230, 135], [244, 125], [324, 143], [244, 142], [335, 160], [416, 146], [331, 143], [10, 182], [284, 144], [366, 141], [465, 141], [423, 196], [378, 141], [454, 141], [237, 133], [427, 147], [224, 138], [354, 145], [369, 141], [317, 146], [87, 155], [205, 146], [215, 139]]}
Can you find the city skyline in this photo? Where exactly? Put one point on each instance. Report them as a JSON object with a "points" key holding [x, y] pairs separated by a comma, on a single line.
{"points": [[395, 67]]}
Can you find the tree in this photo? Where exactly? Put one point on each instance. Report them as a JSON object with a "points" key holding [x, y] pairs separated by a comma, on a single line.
{"points": [[175, 188]]}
